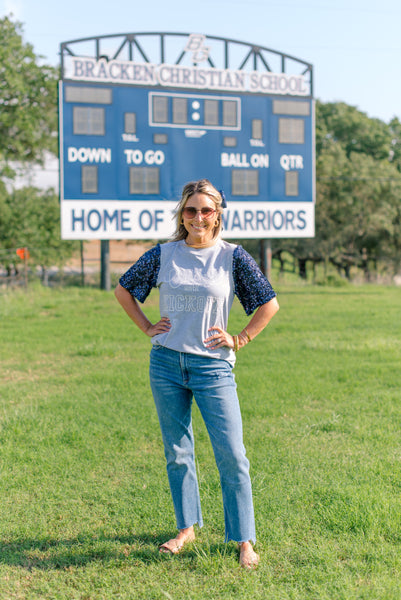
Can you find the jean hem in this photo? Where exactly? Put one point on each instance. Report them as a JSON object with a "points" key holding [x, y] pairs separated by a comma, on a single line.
{"points": [[198, 523], [251, 539]]}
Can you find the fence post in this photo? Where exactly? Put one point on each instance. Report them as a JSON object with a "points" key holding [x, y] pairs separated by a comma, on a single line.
{"points": [[105, 281], [82, 264]]}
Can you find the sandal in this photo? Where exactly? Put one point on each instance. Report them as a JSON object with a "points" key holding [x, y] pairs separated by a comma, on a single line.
{"points": [[174, 546], [248, 558]]}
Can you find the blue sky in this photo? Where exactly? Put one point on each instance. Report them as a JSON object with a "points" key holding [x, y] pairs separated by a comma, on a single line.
{"points": [[354, 45]]}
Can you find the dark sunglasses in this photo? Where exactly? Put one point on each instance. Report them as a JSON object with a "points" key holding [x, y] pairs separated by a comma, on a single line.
{"points": [[190, 212]]}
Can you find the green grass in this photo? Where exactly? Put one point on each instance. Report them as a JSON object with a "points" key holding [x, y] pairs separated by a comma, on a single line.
{"points": [[84, 500]]}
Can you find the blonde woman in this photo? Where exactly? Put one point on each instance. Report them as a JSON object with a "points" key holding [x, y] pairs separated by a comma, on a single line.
{"points": [[193, 355]]}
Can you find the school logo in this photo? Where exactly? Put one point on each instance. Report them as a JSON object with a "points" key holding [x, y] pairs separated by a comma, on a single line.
{"points": [[195, 44]]}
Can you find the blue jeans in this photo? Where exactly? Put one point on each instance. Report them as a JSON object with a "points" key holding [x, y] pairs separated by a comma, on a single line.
{"points": [[175, 378]]}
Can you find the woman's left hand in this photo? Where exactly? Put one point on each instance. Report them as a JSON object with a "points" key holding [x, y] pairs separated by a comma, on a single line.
{"points": [[219, 339]]}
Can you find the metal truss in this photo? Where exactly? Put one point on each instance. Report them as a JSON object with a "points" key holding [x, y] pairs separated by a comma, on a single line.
{"points": [[164, 47]]}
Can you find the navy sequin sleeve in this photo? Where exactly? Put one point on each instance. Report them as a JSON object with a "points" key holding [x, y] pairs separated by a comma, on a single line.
{"points": [[142, 276], [250, 285]]}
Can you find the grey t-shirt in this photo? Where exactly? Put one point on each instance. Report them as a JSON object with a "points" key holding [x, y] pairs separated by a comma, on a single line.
{"points": [[196, 293]]}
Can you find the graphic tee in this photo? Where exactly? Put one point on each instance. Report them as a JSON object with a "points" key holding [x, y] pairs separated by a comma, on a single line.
{"points": [[197, 288]]}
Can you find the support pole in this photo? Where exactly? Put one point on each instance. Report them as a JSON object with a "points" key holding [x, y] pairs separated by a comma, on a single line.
{"points": [[82, 264], [105, 282]]}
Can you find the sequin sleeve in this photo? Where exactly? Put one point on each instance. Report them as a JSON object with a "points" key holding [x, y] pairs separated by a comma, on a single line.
{"points": [[250, 285], [142, 276]]}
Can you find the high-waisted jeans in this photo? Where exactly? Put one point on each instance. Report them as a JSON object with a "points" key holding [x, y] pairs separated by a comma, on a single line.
{"points": [[177, 377]]}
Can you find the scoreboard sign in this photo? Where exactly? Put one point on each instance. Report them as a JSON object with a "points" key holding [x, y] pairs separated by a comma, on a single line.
{"points": [[133, 132]]}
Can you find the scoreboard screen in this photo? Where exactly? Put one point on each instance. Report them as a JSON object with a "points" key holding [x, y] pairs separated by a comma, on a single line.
{"points": [[128, 148]]}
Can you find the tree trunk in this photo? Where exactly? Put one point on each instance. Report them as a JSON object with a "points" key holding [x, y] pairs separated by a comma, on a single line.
{"points": [[302, 268], [45, 276]]}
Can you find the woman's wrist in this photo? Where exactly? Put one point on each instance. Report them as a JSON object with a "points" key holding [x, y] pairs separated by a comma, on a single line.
{"points": [[245, 333], [241, 340]]}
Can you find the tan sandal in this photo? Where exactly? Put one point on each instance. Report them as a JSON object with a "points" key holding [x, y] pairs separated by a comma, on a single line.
{"points": [[248, 558], [174, 546]]}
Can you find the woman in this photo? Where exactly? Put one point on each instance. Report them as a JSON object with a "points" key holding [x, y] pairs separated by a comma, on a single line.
{"points": [[193, 354]]}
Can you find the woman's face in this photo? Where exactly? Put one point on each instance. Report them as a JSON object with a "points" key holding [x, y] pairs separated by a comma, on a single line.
{"points": [[199, 217]]}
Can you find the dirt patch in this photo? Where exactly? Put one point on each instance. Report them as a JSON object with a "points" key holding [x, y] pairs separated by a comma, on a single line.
{"points": [[122, 254]]}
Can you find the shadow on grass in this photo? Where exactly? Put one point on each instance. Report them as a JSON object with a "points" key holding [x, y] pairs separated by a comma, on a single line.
{"points": [[51, 554]]}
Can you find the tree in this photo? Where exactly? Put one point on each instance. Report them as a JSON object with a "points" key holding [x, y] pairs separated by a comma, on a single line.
{"points": [[31, 218], [340, 123], [28, 101], [358, 213], [28, 128], [395, 131]]}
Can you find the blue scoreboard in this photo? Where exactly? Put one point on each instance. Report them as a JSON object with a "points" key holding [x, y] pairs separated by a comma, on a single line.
{"points": [[133, 133]]}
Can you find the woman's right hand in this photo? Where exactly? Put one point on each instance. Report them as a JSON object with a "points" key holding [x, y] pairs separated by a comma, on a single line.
{"points": [[162, 326]]}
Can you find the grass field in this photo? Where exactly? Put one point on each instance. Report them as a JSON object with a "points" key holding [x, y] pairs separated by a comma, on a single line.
{"points": [[83, 491]]}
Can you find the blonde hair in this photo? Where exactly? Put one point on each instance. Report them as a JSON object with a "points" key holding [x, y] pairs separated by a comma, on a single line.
{"points": [[203, 186]]}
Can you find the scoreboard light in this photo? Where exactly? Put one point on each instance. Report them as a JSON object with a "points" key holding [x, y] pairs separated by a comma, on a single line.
{"points": [[190, 110]]}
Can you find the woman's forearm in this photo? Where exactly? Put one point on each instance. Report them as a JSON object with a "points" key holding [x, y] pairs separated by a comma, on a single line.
{"points": [[260, 319], [135, 313], [132, 308]]}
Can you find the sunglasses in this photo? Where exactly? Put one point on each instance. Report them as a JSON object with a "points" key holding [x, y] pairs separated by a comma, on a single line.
{"points": [[190, 212]]}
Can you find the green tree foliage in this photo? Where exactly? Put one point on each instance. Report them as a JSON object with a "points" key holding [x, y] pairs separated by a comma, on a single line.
{"points": [[28, 128], [395, 130], [358, 208], [28, 100], [352, 129], [31, 218]]}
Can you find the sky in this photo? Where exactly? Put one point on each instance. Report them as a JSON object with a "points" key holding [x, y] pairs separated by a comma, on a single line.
{"points": [[353, 45]]}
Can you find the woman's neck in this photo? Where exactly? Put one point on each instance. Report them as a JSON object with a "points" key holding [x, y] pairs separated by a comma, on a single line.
{"points": [[199, 244]]}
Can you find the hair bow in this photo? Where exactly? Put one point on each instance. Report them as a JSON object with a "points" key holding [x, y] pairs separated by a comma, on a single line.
{"points": [[223, 199]]}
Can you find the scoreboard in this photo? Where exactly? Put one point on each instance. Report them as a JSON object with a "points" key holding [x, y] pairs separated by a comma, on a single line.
{"points": [[133, 134]]}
